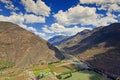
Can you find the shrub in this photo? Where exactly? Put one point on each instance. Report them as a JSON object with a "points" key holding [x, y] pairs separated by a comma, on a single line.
{"points": [[6, 64], [59, 77]]}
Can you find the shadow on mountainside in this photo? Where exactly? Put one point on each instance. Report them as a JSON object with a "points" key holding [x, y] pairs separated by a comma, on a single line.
{"points": [[58, 54], [110, 35], [107, 61]]}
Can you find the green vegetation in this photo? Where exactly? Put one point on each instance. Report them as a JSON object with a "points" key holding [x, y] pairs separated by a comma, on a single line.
{"points": [[62, 68], [16, 73], [8, 44], [45, 72], [85, 75], [64, 75], [57, 62], [6, 79], [1, 73], [59, 77], [6, 64]]}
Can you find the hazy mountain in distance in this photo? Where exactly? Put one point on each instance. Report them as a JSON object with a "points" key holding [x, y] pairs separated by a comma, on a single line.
{"points": [[24, 48], [57, 40], [100, 48]]}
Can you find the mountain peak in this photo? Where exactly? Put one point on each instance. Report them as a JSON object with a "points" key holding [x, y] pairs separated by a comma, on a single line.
{"points": [[83, 32]]}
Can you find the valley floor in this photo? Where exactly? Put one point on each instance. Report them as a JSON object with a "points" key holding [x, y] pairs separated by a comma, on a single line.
{"points": [[62, 70]]}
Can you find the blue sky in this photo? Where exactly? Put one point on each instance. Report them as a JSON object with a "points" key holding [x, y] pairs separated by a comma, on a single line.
{"points": [[48, 18]]}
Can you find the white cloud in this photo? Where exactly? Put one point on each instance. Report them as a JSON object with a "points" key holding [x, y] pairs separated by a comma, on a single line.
{"points": [[40, 34], [84, 16], [30, 18], [110, 18], [9, 5], [110, 7], [46, 29], [31, 29], [13, 18], [99, 1], [23, 25], [20, 18], [76, 15], [39, 8], [35, 31], [59, 29]]}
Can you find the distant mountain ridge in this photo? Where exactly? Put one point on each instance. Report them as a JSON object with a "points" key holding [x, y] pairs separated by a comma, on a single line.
{"points": [[24, 48], [57, 40]]}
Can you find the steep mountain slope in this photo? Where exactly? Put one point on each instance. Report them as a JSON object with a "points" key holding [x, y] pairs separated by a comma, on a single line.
{"points": [[100, 48], [24, 48], [57, 40]]}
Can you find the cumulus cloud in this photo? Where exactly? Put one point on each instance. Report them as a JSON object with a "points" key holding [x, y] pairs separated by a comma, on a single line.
{"points": [[84, 16], [38, 7], [60, 29], [18, 19], [76, 15], [30, 18]]}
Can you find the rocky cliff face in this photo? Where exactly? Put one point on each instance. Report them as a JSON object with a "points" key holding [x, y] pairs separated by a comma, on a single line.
{"points": [[24, 48]]}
